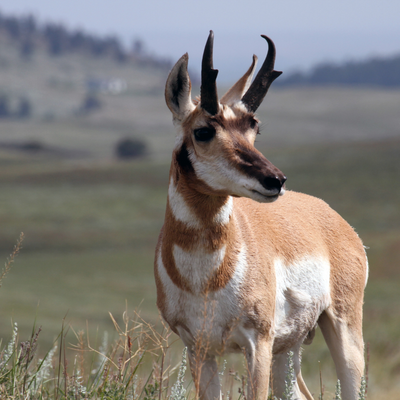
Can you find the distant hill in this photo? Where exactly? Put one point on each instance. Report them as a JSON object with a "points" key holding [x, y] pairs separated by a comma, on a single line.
{"points": [[48, 71], [29, 36], [384, 72]]}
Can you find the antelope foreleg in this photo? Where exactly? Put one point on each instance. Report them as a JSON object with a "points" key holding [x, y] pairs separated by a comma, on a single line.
{"points": [[259, 359], [204, 370]]}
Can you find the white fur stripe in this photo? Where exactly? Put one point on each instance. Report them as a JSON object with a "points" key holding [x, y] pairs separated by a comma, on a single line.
{"points": [[180, 209], [197, 266], [240, 271], [172, 292], [367, 268]]}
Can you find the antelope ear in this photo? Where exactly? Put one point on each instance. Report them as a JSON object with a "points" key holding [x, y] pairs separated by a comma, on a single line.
{"points": [[178, 89], [236, 92]]}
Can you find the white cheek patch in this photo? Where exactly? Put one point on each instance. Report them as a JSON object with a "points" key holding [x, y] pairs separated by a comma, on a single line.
{"points": [[219, 175], [197, 266], [180, 209], [179, 135]]}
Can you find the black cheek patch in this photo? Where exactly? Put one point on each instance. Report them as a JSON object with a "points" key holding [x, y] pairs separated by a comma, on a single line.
{"points": [[183, 160]]}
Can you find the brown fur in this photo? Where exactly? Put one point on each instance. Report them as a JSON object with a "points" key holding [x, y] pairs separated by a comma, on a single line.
{"points": [[210, 237]]}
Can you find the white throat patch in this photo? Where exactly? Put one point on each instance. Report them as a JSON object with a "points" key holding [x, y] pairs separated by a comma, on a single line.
{"points": [[180, 209], [224, 215]]}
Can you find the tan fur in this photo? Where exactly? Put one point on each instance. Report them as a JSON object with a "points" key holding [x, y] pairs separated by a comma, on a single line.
{"points": [[279, 266]]}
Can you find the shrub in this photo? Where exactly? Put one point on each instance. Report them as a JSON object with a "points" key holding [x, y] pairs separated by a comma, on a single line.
{"points": [[90, 103], [128, 148], [24, 108], [32, 146], [4, 106]]}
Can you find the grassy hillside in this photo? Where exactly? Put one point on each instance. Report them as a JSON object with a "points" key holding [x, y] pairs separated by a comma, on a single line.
{"points": [[91, 222], [91, 231]]}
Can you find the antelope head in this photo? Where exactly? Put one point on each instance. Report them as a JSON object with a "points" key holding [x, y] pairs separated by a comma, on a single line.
{"points": [[214, 151]]}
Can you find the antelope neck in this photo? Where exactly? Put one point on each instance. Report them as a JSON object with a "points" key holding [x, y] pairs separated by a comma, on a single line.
{"points": [[197, 210], [199, 239]]}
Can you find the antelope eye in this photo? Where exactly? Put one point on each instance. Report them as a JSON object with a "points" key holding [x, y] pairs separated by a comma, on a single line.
{"points": [[204, 134], [253, 123]]}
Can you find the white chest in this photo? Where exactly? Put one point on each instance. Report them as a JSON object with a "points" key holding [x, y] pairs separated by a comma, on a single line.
{"points": [[197, 266], [196, 313]]}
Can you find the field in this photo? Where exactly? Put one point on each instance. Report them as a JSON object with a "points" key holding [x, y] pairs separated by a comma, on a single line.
{"points": [[91, 221]]}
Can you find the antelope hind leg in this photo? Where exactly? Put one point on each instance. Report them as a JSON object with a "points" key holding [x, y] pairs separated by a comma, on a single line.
{"points": [[346, 346]]}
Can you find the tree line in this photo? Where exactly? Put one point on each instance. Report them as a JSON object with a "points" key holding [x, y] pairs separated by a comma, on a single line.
{"points": [[371, 72], [56, 39]]}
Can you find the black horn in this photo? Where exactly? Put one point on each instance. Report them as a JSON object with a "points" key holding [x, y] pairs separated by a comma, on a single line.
{"points": [[259, 88], [208, 91]]}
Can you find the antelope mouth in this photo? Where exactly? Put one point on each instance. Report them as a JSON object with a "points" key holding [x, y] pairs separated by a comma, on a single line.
{"points": [[270, 197]]}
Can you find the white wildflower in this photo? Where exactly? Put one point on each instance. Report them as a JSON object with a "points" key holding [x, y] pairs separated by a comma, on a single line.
{"points": [[11, 345], [361, 394], [178, 392], [290, 379], [338, 392]]}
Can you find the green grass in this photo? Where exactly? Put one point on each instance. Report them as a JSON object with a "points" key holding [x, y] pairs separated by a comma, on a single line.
{"points": [[91, 223], [83, 208], [135, 365], [84, 287], [91, 231], [138, 364]]}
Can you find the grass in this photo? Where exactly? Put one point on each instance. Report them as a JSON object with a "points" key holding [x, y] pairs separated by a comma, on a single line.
{"points": [[125, 369], [81, 286], [84, 208], [139, 364], [110, 372], [91, 231], [91, 223]]}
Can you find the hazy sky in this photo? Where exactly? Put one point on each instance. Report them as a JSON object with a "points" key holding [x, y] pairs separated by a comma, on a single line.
{"points": [[305, 32]]}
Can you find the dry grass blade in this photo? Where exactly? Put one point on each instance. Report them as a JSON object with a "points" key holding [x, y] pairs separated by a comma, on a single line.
{"points": [[367, 371], [321, 386], [11, 259]]}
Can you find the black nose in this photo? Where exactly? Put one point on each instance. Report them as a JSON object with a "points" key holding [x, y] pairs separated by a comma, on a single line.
{"points": [[271, 183]]}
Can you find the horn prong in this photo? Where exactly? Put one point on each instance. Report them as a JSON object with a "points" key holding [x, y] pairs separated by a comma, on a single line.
{"points": [[259, 88]]}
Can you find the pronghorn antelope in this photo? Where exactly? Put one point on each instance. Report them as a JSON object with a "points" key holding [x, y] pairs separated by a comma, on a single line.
{"points": [[241, 264]]}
